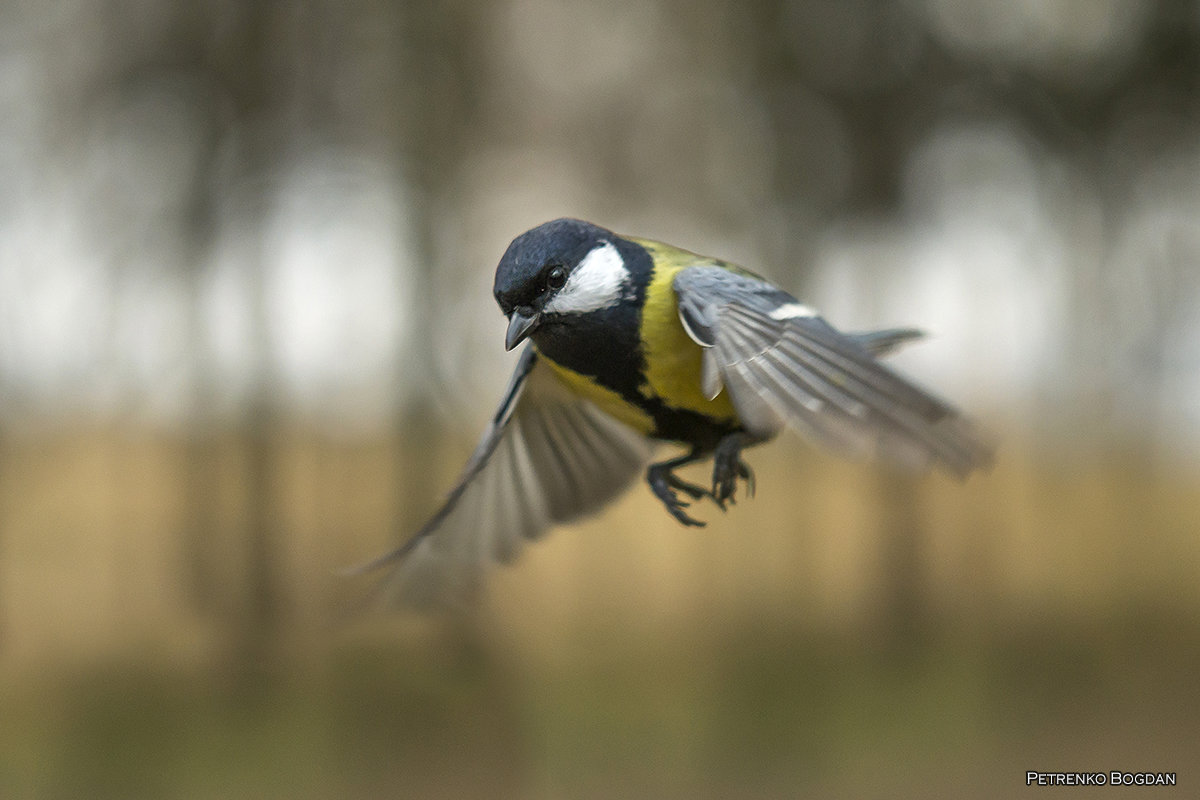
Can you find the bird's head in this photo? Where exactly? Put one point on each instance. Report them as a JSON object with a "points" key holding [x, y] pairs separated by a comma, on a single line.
{"points": [[557, 269]]}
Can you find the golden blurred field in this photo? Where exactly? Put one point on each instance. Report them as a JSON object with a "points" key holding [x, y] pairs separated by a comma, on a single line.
{"points": [[849, 632]]}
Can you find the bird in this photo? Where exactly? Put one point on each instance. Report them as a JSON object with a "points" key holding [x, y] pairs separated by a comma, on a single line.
{"points": [[630, 343]]}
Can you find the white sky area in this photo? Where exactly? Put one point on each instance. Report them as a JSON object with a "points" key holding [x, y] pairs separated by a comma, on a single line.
{"points": [[975, 260], [1037, 308], [325, 273]]}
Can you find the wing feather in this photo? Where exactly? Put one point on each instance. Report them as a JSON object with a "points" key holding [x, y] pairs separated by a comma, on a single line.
{"points": [[841, 353], [766, 378], [548, 457], [781, 364]]}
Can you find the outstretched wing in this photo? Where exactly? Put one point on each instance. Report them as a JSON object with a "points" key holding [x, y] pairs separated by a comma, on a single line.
{"points": [[783, 364], [547, 457]]}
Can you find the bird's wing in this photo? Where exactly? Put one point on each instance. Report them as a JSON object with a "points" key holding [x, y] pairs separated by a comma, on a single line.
{"points": [[547, 457], [783, 364]]}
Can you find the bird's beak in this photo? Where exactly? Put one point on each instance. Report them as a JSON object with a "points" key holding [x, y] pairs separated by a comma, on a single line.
{"points": [[520, 326]]}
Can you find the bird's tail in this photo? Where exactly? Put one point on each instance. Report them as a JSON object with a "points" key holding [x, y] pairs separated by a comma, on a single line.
{"points": [[886, 342]]}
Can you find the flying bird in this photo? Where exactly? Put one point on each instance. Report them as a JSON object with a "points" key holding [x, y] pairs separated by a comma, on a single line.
{"points": [[629, 342]]}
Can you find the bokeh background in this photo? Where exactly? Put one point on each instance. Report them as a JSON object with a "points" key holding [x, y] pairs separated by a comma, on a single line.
{"points": [[247, 339]]}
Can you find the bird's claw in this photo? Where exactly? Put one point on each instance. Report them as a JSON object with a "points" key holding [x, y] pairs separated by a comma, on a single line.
{"points": [[665, 486], [675, 507], [728, 468]]}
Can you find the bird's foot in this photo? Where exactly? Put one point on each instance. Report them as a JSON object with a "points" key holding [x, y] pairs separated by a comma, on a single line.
{"points": [[665, 486], [728, 468]]}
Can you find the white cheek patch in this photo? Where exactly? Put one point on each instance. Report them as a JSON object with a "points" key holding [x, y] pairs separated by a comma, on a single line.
{"points": [[598, 282], [792, 311]]}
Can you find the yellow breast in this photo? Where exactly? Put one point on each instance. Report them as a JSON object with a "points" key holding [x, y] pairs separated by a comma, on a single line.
{"points": [[672, 358]]}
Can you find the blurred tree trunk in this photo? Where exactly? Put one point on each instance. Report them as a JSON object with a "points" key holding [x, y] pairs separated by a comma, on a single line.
{"points": [[255, 40], [201, 467], [436, 117], [903, 616], [202, 451], [260, 627], [3, 540]]}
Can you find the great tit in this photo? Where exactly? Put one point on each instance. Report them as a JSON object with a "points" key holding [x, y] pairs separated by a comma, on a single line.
{"points": [[631, 342]]}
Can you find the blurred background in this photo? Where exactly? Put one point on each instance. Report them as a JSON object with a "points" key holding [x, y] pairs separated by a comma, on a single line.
{"points": [[247, 339]]}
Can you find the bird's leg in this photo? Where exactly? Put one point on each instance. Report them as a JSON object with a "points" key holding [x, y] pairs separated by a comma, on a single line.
{"points": [[664, 483], [728, 467]]}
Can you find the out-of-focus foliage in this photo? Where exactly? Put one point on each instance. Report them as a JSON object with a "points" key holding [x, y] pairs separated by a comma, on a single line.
{"points": [[247, 337]]}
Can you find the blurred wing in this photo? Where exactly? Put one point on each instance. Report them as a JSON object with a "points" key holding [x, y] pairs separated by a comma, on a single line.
{"points": [[547, 457], [783, 364]]}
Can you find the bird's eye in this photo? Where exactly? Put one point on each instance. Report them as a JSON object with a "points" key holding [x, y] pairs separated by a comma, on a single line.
{"points": [[556, 277]]}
